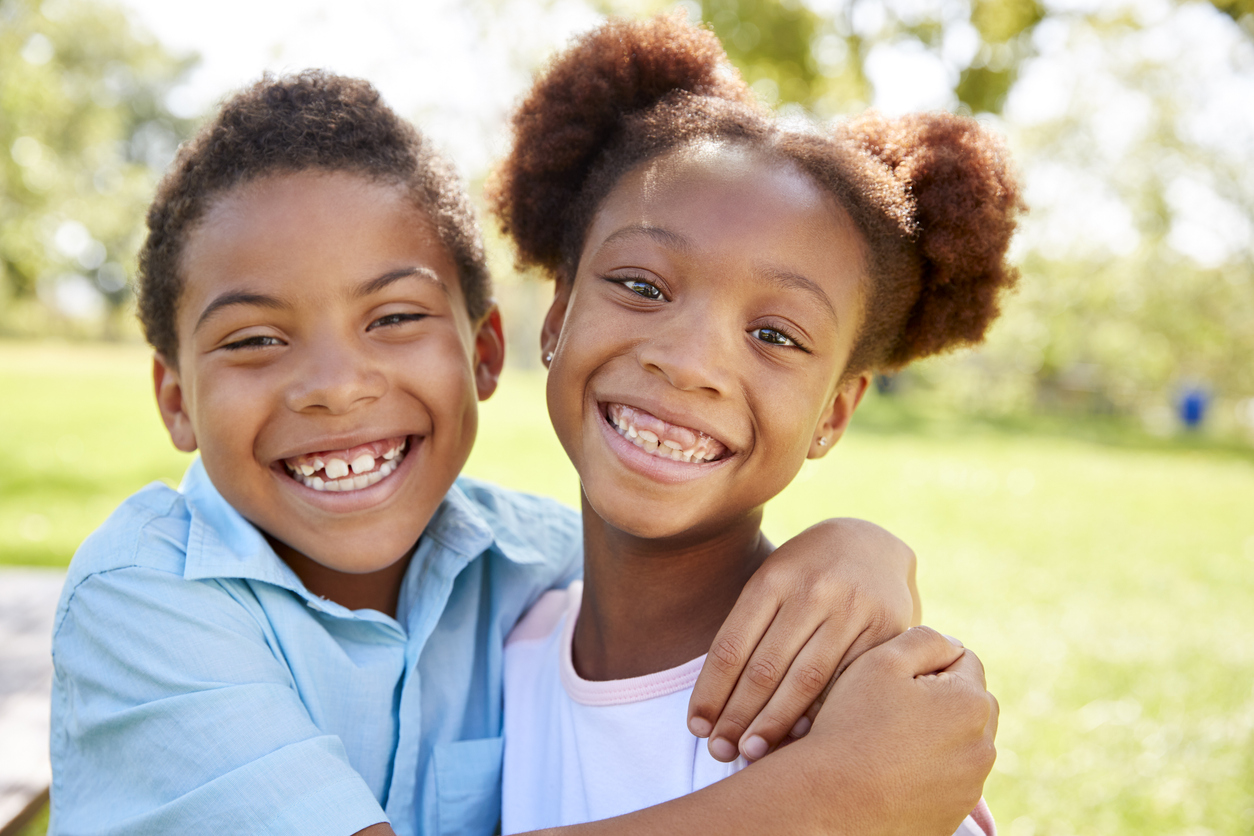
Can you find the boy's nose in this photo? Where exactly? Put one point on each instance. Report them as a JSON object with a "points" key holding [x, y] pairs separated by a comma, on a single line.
{"points": [[692, 350], [335, 378]]}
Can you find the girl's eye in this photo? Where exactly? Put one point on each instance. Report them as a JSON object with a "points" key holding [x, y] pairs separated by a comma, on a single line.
{"points": [[395, 319], [259, 341], [642, 288], [773, 336]]}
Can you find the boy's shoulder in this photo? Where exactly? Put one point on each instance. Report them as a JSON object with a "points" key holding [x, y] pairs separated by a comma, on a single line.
{"points": [[157, 516], [528, 528]]}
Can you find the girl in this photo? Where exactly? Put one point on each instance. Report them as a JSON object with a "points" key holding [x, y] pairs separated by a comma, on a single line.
{"points": [[282, 645], [725, 290]]}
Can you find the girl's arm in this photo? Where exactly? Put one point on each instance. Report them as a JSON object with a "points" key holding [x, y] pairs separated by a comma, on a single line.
{"points": [[819, 601]]}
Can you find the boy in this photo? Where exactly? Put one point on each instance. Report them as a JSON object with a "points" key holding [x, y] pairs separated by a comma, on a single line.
{"points": [[306, 636]]}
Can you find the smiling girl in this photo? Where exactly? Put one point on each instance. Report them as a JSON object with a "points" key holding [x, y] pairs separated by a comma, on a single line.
{"points": [[725, 289]]}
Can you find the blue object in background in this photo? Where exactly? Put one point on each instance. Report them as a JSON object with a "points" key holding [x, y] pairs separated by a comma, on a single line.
{"points": [[1192, 406]]}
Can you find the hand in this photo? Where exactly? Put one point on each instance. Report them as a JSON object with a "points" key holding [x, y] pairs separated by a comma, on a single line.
{"points": [[911, 725], [817, 603]]}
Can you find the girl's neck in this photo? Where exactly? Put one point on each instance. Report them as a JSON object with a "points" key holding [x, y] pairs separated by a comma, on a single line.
{"points": [[650, 605]]}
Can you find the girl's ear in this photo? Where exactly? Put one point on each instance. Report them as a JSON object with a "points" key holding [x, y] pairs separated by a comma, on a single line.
{"points": [[836, 420], [178, 422], [489, 353], [551, 332]]}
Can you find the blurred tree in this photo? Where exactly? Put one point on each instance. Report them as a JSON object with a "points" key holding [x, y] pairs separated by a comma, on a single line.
{"points": [[84, 129]]}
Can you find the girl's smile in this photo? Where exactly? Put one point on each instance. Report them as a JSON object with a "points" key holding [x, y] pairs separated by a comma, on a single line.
{"points": [[699, 349]]}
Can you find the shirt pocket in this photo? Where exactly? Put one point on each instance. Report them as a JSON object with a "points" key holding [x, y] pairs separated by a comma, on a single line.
{"points": [[468, 786]]}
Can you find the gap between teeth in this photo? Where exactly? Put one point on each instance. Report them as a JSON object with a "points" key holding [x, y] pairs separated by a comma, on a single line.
{"points": [[338, 471], [349, 483]]}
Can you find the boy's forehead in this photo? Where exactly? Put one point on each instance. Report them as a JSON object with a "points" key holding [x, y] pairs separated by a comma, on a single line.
{"points": [[316, 224]]}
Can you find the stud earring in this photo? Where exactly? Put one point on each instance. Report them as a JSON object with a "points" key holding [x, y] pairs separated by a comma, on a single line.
{"points": [[548, 357], [823, 441]]}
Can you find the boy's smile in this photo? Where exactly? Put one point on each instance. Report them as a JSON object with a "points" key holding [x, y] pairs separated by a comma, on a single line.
{"points": [[328, 371], [699, 350]]}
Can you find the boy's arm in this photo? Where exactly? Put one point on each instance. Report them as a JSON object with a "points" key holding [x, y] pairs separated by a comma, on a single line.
{"points": [[896, 751], [171, 713], [818, 602]]}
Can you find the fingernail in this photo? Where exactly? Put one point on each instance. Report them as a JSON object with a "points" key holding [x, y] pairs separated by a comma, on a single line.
{"points": [[723, 749], [700, 727], [953, 641], [801, 729], [754, 748]]}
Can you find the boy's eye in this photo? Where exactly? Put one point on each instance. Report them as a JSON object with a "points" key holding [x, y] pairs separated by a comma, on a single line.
{"points": [[395, 319], [772, 336], [258, 341]]}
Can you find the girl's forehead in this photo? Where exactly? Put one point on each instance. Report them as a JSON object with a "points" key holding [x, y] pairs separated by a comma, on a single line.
{"points": [[731, 169]]}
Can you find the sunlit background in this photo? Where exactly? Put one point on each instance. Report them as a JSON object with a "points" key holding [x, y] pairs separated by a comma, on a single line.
{"points": [[1080, 489]]}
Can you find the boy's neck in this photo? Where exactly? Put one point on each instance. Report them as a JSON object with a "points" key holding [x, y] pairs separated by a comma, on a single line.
{"points": [[650, 605], [366, 591]]}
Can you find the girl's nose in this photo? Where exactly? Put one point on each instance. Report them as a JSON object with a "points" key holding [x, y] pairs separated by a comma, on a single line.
{"points": [[692, 350], [335, 377]]}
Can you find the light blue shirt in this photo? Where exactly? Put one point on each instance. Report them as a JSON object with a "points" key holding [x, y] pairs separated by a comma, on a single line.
{"points": [[200, 688]]}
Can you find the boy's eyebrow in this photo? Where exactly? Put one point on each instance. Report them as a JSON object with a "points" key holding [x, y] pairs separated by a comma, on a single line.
{"points": [[788, 280], [241, 297], [663, 236], [375, 285]]}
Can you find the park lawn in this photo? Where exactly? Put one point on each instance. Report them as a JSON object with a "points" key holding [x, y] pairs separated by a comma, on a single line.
{"points": [[1107, 585]]}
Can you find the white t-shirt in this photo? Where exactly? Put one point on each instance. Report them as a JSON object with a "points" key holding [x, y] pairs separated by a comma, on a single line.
{"points": [[579, 751]]}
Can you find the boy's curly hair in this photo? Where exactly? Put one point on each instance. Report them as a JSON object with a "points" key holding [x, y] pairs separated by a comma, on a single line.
{"points": [[932, 195], [312, 120]]}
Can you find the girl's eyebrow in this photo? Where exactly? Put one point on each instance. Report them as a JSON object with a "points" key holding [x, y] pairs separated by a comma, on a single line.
{"points": [[788, 280], [662, 236]]}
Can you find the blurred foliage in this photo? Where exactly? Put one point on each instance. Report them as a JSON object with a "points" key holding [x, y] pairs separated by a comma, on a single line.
{"points": [[84, 129]]}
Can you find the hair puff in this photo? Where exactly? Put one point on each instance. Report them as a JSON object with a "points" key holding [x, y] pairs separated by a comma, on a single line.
{"points": [[577, 108]]}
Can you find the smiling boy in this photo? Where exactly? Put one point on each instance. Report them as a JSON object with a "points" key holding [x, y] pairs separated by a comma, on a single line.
{"points": [[306, 637]]}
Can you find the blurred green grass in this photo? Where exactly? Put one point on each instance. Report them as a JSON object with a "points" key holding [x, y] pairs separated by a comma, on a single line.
{"points": [[1104, 577]]}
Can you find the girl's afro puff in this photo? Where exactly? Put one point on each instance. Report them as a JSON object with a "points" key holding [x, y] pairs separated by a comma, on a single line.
{"points": [[578, 106], [932, 195], [313, 120]]}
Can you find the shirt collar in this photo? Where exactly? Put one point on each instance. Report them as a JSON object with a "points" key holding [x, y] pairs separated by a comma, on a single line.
{"points": [[223, 544]]}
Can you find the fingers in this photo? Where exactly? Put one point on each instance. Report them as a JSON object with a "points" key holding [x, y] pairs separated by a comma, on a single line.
{"points": [[807, 679], [729, 654], [921, 651]]}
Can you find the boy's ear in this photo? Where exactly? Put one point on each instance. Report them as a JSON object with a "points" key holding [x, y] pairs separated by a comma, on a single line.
{"points": [[165, 381], [489, 353], [553, 320], [837, 419]]}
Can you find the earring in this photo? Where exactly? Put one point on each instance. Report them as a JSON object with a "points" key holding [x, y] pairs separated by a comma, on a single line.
{"points": [[548, 357], [823, 441]]}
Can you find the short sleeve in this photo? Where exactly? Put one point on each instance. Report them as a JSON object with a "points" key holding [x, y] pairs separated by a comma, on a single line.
{"points": [[173, 712]]}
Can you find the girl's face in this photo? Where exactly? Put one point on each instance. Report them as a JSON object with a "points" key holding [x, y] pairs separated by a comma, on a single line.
{"points": [[699, 348]]}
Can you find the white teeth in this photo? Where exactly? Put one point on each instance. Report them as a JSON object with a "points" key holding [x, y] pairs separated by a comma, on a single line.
{"points": [[668, 449], [351, 483], [649, 437], [363, 463], [388, 455], [674, 445], [631, 432], [307, 469], [336, 469]]}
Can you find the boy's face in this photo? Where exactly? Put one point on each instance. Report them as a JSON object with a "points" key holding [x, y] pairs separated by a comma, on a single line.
{"points": [[328, 371], [700, 346]]}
